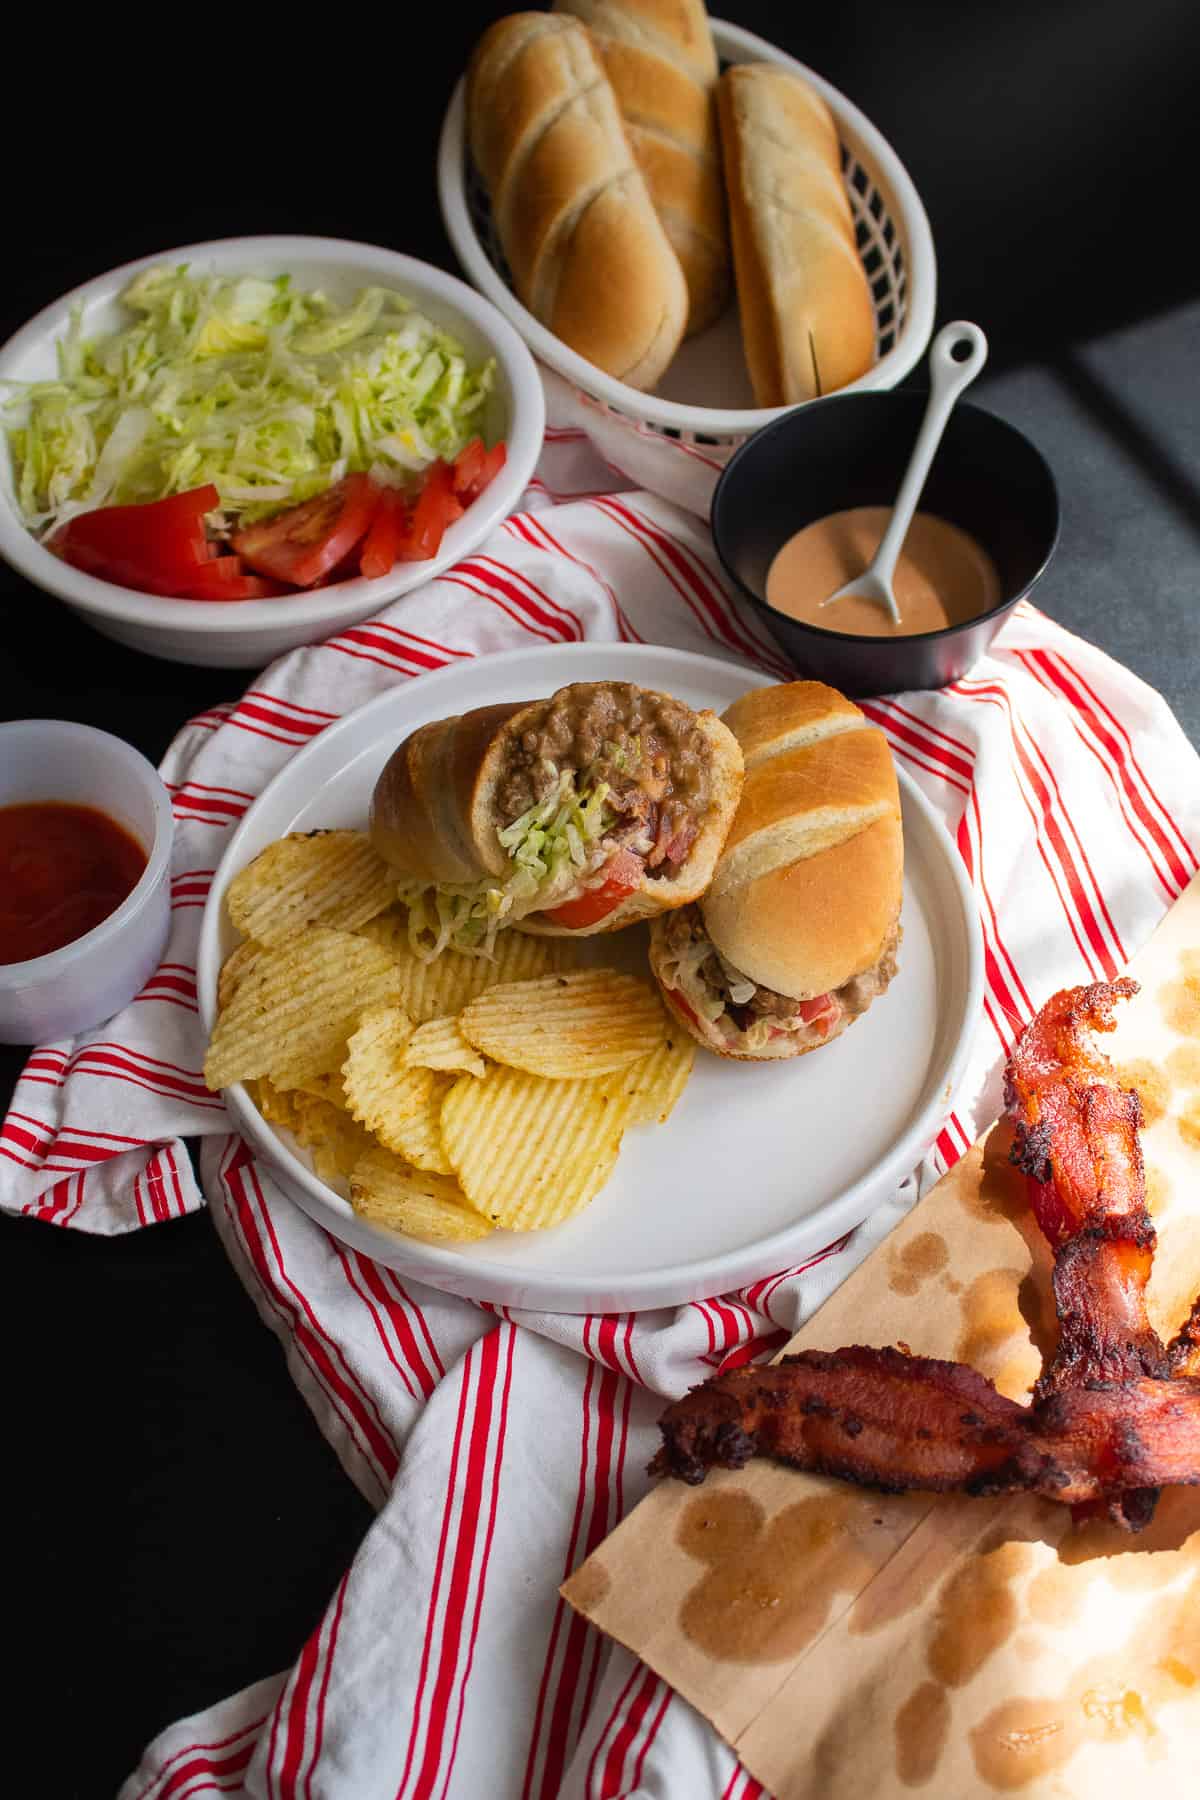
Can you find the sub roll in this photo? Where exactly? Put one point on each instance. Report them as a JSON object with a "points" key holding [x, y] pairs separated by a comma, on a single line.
{"points": [[604, 804], [661, 61], [808, 319], [798, 931], [588, 253]]}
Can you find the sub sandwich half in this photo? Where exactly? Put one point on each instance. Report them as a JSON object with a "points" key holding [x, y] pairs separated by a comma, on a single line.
{"points": [[604, 804], [798, 931]]}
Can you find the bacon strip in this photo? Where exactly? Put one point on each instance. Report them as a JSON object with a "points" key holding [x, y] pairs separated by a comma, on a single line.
{"points": [[894, 1422], [1114, 1417]]}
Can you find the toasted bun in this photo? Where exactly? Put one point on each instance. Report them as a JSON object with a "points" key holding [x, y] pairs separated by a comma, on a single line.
{"points": [[808, 886], [659, 57], [435, 817], [588, 253], [808, 321], [428, 810]]}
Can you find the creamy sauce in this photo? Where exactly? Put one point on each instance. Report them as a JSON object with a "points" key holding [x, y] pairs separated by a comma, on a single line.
{"points": [[943, 577]]}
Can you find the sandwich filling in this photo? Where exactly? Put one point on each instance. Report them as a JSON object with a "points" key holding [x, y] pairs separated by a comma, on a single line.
{"points": [[737, 1014], [607, 784]]}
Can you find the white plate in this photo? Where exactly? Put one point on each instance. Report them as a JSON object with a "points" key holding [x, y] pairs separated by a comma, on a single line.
{"points": [[760, 1165], [248, 633]]}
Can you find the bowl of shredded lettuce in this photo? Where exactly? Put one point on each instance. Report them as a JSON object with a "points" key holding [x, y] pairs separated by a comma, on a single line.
{"points": [[270, 369]]}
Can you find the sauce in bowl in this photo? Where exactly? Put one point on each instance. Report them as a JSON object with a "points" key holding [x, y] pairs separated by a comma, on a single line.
{"points": [[943, 577], [63, 869]]}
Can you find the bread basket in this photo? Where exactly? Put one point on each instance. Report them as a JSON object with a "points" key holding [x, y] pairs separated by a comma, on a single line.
{"points": [[668, 441]]}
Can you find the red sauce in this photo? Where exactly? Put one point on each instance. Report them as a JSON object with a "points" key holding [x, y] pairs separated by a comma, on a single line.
{"points": [[62, 869]]}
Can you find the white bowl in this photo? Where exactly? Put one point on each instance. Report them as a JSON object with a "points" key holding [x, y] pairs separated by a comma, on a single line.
{"points": [[705, 402], [87, 981], [246, 633]]}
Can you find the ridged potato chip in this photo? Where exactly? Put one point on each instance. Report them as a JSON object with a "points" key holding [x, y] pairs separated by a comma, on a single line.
{"points": [[567, 1026], [652, 1086], [389, 1192], [234, 969], [399, 1105], [528, 1152], [332, 878], [443, 987], [440, 1044], [336, 1140], [294, 1007]]}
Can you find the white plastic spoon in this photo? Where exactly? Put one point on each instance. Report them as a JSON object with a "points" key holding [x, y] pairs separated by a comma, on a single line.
{"points": [[949, 374]]}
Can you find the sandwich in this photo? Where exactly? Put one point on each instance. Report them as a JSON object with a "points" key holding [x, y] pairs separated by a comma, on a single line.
{"points": [[605, 804], [798, 930]]}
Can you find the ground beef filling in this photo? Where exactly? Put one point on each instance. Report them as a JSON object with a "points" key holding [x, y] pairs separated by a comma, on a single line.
{"points": [[646, 747]]}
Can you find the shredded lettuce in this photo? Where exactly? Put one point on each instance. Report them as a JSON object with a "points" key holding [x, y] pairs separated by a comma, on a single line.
{"points": [[552, 848], [270, 392]]}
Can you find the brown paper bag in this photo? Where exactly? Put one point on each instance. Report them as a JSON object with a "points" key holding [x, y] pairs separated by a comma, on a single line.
{"points": [[848, 1643]]}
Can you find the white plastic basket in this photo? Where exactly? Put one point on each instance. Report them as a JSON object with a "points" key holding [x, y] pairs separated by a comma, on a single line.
{"points": [[676, 441]]}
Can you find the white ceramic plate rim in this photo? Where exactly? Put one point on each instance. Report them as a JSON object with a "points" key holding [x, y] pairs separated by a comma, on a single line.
{"points": [[853, 126], [331, 606], [468, 1272]]}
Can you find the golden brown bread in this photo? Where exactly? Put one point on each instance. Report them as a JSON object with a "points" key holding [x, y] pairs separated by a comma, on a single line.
{"points": [[660, 59], [807, 889], [588, 255], [435, 815], [808, 321]]}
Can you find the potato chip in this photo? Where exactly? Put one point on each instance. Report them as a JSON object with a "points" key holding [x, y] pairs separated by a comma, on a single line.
{"points": [[652, 1086], [388, 1192], [443, 987], [401, 1106], [528, 1152], [332, 878], [336, 1140], [295, 1006], [567, 1026], [329, 1087], [236, 966], [440, 1044]]}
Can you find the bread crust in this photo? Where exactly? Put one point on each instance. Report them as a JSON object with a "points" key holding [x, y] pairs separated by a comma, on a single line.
{"points": [[808, 320], [661, 61], [808, 886], [588, 254]]}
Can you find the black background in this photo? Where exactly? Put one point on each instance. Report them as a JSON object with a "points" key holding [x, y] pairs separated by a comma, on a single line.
{"points": [[175, 1523]]}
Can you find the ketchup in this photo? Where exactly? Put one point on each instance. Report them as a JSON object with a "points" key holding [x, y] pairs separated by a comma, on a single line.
{"points": [[62, 870]]}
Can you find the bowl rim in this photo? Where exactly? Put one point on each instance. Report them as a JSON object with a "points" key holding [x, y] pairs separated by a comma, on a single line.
{"points": [[673, 415], [821, 633], [37, 969], [357, 599]]}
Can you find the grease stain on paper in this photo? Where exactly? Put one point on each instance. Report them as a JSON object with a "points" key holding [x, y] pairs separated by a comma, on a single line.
{"points": [[770, 1585], [920, 1259]]}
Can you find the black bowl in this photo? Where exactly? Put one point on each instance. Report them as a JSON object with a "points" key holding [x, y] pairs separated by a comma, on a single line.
{"points": [[851, 450]]}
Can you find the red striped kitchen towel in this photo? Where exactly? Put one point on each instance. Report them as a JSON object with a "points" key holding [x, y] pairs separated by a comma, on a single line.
{"points": [[500, 1447]]}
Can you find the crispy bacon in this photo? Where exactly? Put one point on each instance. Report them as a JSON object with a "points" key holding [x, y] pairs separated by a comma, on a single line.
{"points": [[1114, 1416]]}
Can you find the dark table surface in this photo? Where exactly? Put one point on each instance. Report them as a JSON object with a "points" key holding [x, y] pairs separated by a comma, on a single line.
{"points": [[175, 1521]]}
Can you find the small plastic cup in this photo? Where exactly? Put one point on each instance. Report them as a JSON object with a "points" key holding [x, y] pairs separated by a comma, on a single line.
{"points": [[85, 982]]}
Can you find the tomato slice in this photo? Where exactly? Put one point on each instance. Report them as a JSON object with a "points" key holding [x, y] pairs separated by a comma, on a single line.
{"points": [[474, 467], [130, 543], [622, 876], [225, 578], [437, 506], [304, 543], [381, 546], [493, 462], [468, 466], [683, 1006]]}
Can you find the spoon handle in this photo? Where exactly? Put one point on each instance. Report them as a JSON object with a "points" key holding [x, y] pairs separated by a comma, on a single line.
{"points": [[948, 376]]}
